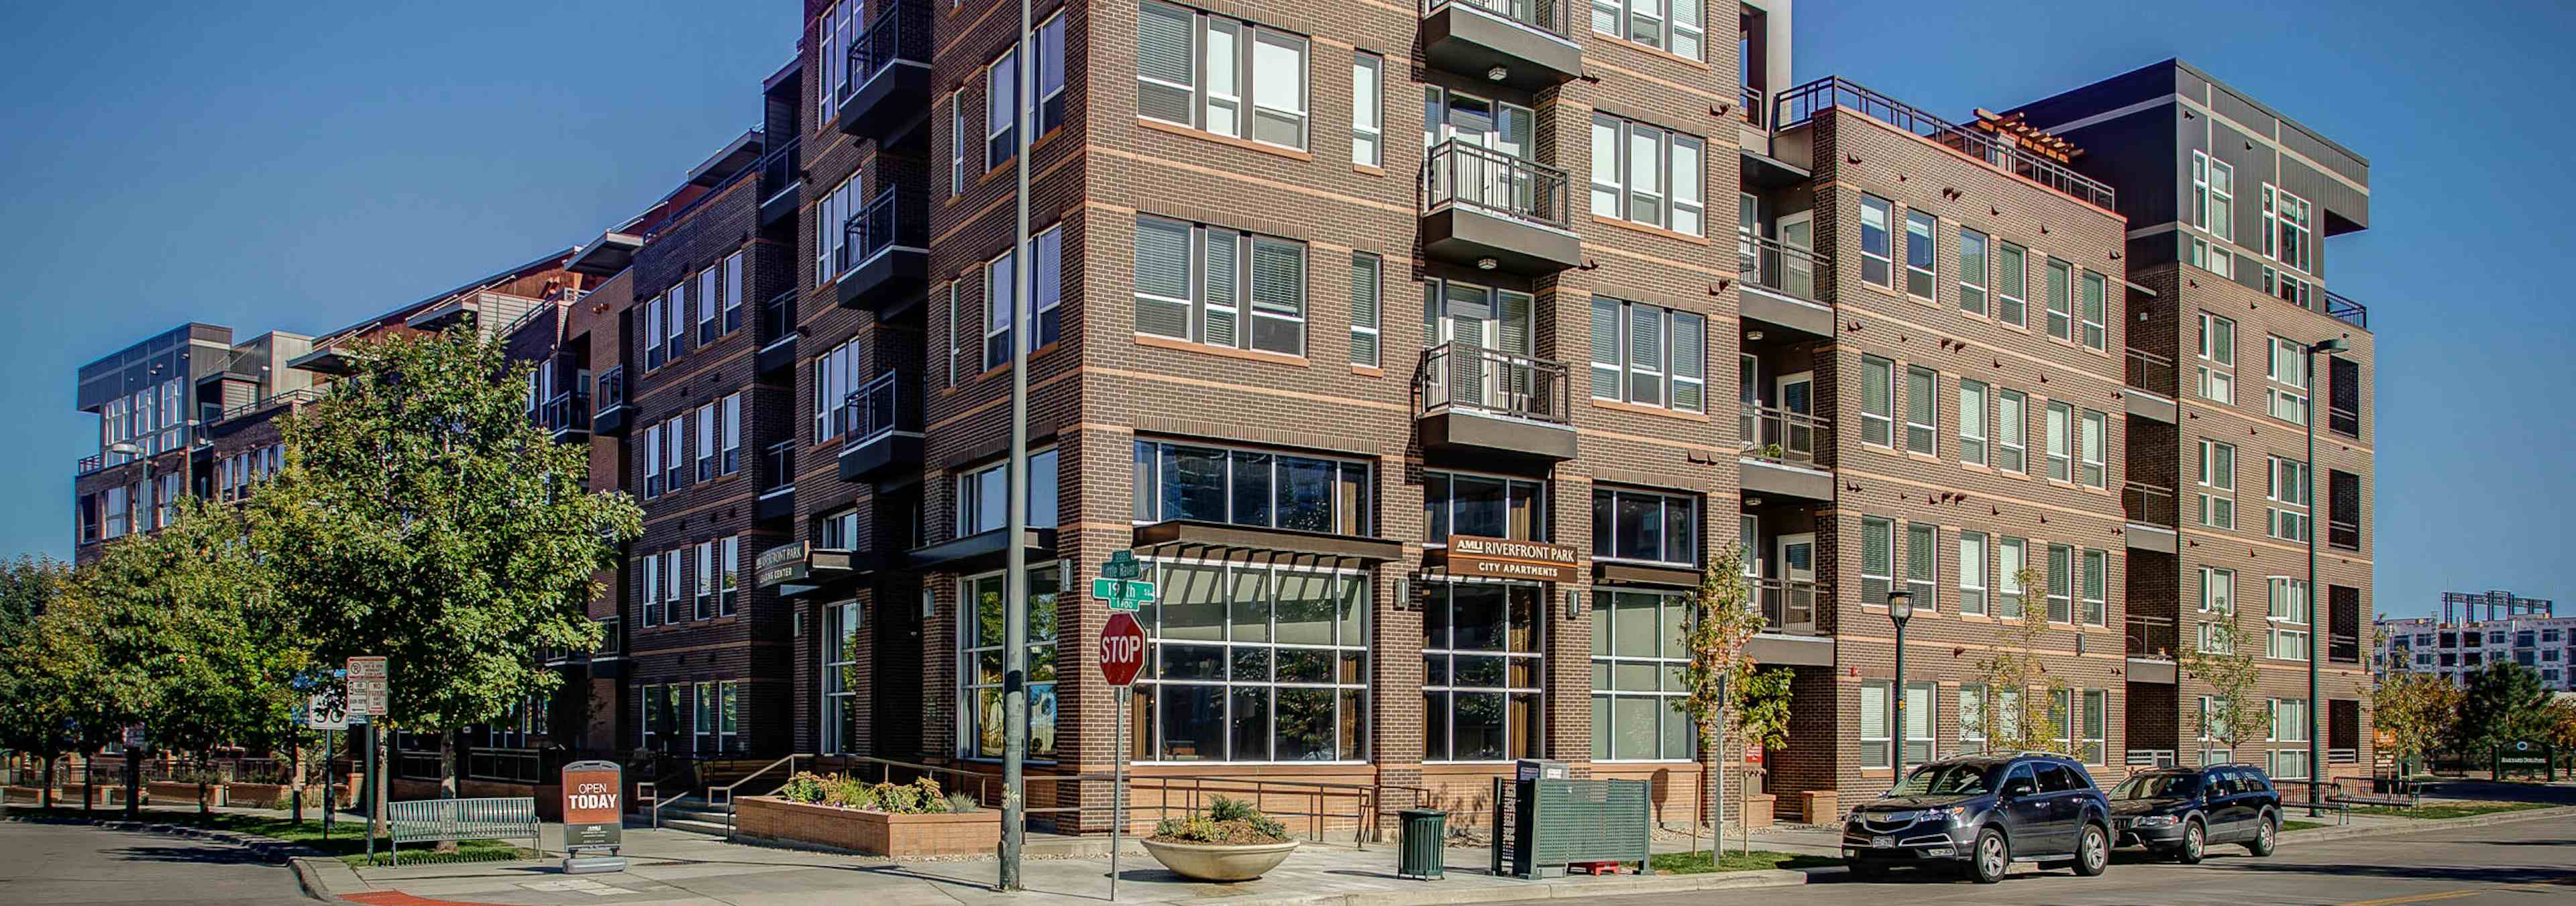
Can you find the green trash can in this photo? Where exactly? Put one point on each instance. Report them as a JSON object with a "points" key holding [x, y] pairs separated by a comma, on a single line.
{"points": [[1425, 832]]}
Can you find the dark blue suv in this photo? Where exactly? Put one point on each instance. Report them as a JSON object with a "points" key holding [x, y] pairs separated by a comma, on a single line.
{"points": [[2179, 812], [1983, 813]]}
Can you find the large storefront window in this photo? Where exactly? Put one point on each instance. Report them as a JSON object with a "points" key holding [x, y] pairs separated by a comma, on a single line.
{"points": [[1646, 526], [1254, 663], [979, 669], [1248, 487], [1482, 506], [1637, 660], [1482, 671], [841, 719]]}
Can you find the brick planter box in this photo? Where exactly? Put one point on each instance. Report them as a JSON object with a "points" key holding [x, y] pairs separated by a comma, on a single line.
{"points": [[263, 794], [168, 792], [874, 833]]}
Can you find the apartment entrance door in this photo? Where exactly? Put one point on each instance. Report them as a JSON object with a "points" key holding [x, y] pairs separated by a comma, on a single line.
{"points": [[1487, 332], [1796, 434], [1795, 607], [1797, 268]]}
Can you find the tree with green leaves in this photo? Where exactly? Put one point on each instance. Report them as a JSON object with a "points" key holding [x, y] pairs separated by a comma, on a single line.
{"points": [[34, 700], [185, 619], [2015, 714], [2226, 664], [1722, 621], [421, 516], [2505, 701], [1760, 711], [2413, 714]]}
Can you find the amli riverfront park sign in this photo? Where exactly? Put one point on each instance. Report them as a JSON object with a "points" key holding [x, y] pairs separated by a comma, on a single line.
{"points": [[1501, 558], [2526, 756]]}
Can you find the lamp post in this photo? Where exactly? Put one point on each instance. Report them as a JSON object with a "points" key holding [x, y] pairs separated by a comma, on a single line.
{"points": [[1900, 608], [2308, 491], [133, 758]]}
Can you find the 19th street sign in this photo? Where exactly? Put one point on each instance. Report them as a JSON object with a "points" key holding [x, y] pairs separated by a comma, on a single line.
{"points": [[1122, 649]]}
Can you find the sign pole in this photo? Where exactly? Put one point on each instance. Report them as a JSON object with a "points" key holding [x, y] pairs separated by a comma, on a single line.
{"points": [[368, 794], [1122, 654], [330, 786], [1118, 788]]}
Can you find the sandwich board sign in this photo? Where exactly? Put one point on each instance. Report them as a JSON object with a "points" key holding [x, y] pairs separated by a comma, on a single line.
{"points": [[594, 816]]}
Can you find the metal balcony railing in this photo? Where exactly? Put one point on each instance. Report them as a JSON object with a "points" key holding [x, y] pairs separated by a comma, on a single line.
{"points": [[1788, 605], [2148, 504], [612, 389], [1460, 375], [782, 167], [2347, 310], [1469, 176], [895, 218], [1785, 269], [569, 411], [1543, 15], [1751, 109], [2153, 373], [1800, 104], [901, 32], [879, 409], [2343, 534], [90, 463], [778, 466], [2153, 637], [778, 316], [2343, 648], [1773, 434], [288, 398]]}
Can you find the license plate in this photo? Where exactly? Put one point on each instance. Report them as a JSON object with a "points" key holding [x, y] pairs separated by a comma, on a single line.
{"points": [[1882, 842]]}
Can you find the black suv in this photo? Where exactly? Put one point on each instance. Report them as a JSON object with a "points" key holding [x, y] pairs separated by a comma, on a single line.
{"points": [[2179, 812], [1983, 813]]}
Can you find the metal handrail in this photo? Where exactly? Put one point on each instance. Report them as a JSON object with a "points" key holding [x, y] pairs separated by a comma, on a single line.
{"points": [[2153, 373], [569, 410], [1472, 176], [290, 397], [1540, 15], [2344, 309], [2343, 756], [780, 459], [878, 410], [782, 167], [2343, 533], [1789, 602], [728, 789], [2152, 637], [1778, 435], [2147, 504], [1462, 375], [1801, 104], [902, 32], [893, 219], [778, 316], [2343, 648], [1785, 269]]}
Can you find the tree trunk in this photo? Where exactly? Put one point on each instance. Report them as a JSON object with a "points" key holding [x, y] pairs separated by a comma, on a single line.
{"points": [[1717, 796], [447, 775], [204, 758], [295, 759], [49, 783], [89, 778], [1744, 807]]}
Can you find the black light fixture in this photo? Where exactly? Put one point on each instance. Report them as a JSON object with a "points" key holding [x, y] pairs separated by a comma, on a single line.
{"points": [[1900, 608]]}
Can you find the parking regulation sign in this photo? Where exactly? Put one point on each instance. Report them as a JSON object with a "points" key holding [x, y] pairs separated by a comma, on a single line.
{"points": [[367, 682]]}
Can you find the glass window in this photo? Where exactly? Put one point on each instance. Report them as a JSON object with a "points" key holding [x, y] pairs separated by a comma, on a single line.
{"points": [[2011, 556], [1637, 660], [2061, 436], [2012, 283], [1922, 410], [1877, 267], [1482, 506], [1252, 663], [1001, 111], [2216, 476], [2216, 379], [1050, 41], [2012, 419], [1920, 254], [1649, 355], [1368, 89], [1972, 271], [1235, 273], [982, 502], [1644, 525], [1648, 175], [1877, 401], [2095, 302], [979, 662], [1483, 669], [1173, 87], [1877, 559], [1922, 565], [1875, 745], [1366, 311], [1244, 487], [2089, 446], [1972, 572]]}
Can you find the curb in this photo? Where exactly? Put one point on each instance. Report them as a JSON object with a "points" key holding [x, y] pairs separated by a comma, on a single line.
{"points": [[2324, 834], [1554, 889]]}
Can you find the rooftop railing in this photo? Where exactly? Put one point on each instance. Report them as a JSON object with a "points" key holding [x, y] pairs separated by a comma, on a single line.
{"points": [[2346, 310], [1803, 103], [1471, 176], [288, 398]]}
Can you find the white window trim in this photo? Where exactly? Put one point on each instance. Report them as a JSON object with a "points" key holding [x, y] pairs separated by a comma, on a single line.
{"points": [[2217, 381], [1001, 288], [2216, 484], [1974, 282], [1931, 237], [1866, 416], [1974, 580], [1931, 429], [1368, 126], [1001, 75], [2017, 439], [2092, 448], [1888, 228]]}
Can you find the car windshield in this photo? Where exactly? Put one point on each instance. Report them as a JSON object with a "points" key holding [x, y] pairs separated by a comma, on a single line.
{"points": [[2157, 786], [1943, 780]]}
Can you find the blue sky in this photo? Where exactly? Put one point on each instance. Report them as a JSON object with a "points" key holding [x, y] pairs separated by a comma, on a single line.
{"points": [[297, 166]]}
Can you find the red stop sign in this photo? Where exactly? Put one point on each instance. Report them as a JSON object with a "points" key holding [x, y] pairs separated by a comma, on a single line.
{"points": [[1122, 649]]}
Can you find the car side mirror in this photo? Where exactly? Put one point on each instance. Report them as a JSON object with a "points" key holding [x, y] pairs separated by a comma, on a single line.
{"points": [[2018, 789]]}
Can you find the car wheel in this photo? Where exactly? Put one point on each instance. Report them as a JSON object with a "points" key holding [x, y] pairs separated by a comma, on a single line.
{"points": [[1862, 870], [2093, 851], [1993, 857], [2266, 835], [2195, 844]]}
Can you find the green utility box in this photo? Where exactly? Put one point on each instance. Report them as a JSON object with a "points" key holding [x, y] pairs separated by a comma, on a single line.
{"points": [[1425, 832], [1543, 825]]}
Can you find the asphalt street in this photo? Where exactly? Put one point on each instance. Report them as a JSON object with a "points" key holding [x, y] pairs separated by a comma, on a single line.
{"points": [[80, 865], [2522, 863]]}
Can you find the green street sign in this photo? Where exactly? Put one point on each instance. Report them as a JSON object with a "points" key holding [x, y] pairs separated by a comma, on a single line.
{"points": [[1121, 565], [1123, 594]]}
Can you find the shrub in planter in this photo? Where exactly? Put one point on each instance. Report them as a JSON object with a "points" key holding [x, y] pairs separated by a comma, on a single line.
{"points": [[1233, 841]]}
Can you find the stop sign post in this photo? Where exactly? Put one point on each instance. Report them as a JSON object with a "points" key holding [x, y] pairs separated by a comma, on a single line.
{"points": [[1122, 654]]}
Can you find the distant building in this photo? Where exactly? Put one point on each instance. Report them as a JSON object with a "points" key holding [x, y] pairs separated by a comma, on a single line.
{"points": [[2522, 630]]}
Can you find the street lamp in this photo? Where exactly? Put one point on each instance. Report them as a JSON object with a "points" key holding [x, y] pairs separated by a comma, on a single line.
{"points": [[2308, 491], [1900, 608], [133, 759]]}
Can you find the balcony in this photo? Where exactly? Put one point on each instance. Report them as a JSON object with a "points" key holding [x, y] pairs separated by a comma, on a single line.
{"points": [[885, 253], [778, 483], [2151, 646], [1789, 632], [1485, 402], [889, 89], [2153, 514], [782, 170], [1779, 285], [567, 416], [2156, 375], [778, 323], [1801, 105], [1520, 43], [1489, 210], [296, 397], [2346, 310], [1780, 452], [611, 415], [885, 429]]}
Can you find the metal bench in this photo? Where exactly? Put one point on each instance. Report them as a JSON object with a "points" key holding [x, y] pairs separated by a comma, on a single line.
{"points": [[459, 820]]}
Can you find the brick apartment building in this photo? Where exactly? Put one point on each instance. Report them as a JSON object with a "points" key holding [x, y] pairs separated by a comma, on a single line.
{"points": [[2516, 629], [1419, 438]]}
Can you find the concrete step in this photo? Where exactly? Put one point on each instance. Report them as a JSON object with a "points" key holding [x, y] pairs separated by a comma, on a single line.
{"points": [[715, 828]]}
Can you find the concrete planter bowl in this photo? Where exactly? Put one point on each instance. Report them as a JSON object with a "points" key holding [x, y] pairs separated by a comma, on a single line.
{"points": [[1214, 862]]}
